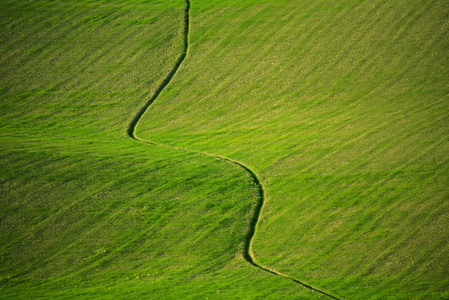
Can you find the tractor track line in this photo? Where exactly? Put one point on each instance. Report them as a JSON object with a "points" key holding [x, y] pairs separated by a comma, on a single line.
{"points": [[131, 131]]}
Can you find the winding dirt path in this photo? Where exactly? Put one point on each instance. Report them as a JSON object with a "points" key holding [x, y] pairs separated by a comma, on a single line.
{"points": [[247, 253]]}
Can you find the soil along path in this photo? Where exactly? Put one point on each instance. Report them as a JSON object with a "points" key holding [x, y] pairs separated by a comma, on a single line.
{"points": [[247, 253]]}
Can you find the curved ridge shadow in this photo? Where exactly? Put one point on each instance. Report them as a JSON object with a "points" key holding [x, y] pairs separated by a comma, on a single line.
{"points": [[131, 131]]}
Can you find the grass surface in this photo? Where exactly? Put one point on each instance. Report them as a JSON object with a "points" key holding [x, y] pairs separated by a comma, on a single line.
{"points": [[340, 108], [87, 212], [85, 228]]}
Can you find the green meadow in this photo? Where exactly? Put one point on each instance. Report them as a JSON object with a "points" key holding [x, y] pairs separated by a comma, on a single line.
{"points": [[341, 109]]}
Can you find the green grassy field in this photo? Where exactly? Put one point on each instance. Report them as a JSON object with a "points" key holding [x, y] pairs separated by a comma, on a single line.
{"points": [[340, 107]]}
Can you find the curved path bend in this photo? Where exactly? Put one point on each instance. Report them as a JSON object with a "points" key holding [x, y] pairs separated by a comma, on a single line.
{"points": [[247, 253]]}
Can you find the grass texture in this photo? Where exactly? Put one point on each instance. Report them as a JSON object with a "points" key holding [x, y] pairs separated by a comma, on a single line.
{"points": [[87, 212], [343, 110], [340, 107]]}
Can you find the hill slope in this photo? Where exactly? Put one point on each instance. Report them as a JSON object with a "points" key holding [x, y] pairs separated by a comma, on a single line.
{"points": [[343, 110], [87, 212]]}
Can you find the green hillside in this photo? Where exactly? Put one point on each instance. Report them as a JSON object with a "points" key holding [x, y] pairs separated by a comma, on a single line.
{"points": [[341, 108]]}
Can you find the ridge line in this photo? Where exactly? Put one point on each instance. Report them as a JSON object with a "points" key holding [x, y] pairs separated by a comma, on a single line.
{"points": [[131, 131]]}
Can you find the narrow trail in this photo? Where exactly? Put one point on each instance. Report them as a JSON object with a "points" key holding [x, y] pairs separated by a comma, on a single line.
{"points": [[247, 253]]}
